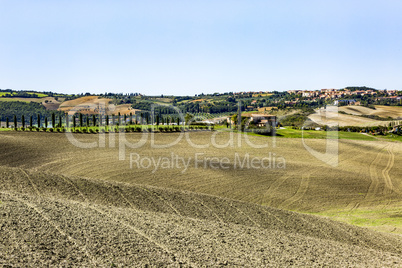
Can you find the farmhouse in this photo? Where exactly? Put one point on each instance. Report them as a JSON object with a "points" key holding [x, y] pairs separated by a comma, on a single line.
{"points": [[261, 119]]}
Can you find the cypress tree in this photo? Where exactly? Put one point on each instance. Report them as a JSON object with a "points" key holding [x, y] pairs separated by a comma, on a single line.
{"points": [[60, 123], [67, 120], [45, 122], [87, 117], [23, 121], [74, 123], [178, 120], [157, 121], [7, 122], [131, 118], [53, 120], [38, 120], [118, 119], [80, 119], [15, 121], [112, 119], [107, 120], [125, 118], [93, 120], [31, 121]]}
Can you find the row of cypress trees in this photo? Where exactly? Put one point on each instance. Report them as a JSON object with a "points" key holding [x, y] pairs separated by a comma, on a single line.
{"points": [[139, 119]]}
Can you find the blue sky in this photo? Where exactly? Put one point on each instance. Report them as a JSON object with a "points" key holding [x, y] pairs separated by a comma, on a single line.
{"points": [[191, 47]]}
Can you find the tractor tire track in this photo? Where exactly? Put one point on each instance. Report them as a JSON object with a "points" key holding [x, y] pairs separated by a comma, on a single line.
{"points": [[373, 189], [352, 206], [274, 187], [385, 173], [163, 200], [245, 214], [86, 204], [59, 161], [139, 232], [54, 225], [31, 182], [299, 193], [212, 212], [72, 183]]}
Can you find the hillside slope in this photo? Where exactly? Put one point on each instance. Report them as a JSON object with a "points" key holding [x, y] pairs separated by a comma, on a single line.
{"points": [[367, 179], [380, 110], [50, 219]]}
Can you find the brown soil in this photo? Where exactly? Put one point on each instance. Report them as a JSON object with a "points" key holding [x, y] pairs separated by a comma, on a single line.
{"points": [[50, 215], [50, 219]]}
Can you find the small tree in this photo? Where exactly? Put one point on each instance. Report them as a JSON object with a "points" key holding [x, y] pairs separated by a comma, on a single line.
{"points": [[23, 121], [80, 119], [7, 122], [107, 120], [15, 121], [188, 118], [178, 120], [234, 119], [53, 120], [30, 121], [74, 123], [38, 120], [60, 122], [45, 122], [157, 120], [94, 120], [67, 120], [118, 118]]}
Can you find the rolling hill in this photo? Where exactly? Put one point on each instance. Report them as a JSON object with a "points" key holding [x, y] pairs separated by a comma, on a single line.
{"points": [[356, 116], [63, 205], [50, 219]]}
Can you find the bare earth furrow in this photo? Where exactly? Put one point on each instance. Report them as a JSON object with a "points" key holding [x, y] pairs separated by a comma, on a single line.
{"points": [[54, 225], [373, 189], [299, 193], [385, 172]]}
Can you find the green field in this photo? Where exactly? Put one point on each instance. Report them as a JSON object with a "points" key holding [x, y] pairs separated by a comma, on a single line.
{"points": [[314, 134], [40, 95], [13, 99], [386, 219], [5, 93]]}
